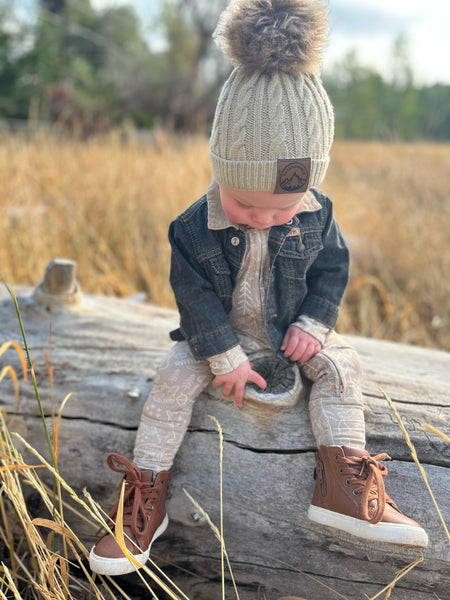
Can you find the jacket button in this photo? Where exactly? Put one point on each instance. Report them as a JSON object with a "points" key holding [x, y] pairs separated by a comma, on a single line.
{"points": [[235, 241]]}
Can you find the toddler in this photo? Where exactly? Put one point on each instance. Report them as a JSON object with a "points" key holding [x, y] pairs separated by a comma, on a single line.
{"points": [[259, 263]]}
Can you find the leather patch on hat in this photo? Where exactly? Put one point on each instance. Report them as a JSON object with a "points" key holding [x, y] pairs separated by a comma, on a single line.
{"points": [[292, 175]]}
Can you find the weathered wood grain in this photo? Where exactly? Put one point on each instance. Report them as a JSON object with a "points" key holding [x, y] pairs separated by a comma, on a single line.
{"points": [[106, 351]]}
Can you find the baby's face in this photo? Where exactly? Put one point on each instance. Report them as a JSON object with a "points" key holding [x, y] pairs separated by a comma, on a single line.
{"points": [[259, 210]]}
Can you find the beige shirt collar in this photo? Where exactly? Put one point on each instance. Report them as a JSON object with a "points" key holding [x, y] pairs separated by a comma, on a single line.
{"points": [[217, 219]]}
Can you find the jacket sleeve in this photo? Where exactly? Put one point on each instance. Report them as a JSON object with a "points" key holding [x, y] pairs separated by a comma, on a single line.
{"points": [[203, 318], [328, 276]]}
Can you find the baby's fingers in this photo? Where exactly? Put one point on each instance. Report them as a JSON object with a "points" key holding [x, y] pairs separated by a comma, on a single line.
{"points": [[239, 394], [227, 389], [290, 341], [256, 378]]}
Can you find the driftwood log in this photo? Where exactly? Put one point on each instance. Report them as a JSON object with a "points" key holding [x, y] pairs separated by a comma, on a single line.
{"points": [[106, 351]]}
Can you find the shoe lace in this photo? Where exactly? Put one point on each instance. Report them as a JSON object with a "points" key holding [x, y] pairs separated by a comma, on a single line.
{"points": [[365, 474], [139, 496]]}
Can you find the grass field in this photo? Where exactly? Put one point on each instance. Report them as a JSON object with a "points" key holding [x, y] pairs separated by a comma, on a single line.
{"points": [[108, 206]]}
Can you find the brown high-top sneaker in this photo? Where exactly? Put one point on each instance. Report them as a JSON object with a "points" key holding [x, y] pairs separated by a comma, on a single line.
{"points": [[350, 495], [144, 518]]}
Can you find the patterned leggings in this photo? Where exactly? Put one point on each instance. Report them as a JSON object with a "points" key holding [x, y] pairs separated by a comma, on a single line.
{"points": [[335, 402]]}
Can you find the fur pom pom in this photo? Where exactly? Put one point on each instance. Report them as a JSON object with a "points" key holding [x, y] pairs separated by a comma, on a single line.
{"points": [[274, 35]]}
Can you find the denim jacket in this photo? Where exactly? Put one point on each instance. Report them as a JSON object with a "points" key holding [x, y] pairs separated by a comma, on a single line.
{"points": [[309, 264]]}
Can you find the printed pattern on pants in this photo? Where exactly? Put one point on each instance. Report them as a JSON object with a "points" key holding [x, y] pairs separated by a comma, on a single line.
{"points": [[335, 403], [167, 411]]}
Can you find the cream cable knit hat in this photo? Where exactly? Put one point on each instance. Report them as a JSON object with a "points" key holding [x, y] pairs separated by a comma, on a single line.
{"points": [[273, 126]]}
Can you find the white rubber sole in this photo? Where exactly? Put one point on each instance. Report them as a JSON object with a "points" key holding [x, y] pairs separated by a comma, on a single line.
{"points": [[391, 533], [122, 566]]}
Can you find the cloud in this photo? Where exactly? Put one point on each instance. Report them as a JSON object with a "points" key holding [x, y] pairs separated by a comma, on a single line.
{"points": [[370, 27], [142, 8], [358, 19]]}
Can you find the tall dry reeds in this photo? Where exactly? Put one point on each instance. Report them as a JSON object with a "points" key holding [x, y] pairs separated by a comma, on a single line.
{"points": [[43, 559], [393, 203], [108, 205]]}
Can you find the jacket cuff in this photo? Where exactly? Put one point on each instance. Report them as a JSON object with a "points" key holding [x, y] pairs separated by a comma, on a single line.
{"points": [[223, 363], [321, 309], [315, 328]]}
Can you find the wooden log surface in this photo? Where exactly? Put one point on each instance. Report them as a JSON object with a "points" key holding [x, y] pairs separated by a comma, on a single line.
{"points": [[105, 351]]}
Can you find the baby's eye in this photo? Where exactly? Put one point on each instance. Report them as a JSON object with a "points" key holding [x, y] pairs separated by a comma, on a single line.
{"points": [[242, 205]]}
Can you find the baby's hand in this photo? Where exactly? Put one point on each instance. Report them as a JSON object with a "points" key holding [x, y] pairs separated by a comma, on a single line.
{"points": [[298, 345], [237, 379]]}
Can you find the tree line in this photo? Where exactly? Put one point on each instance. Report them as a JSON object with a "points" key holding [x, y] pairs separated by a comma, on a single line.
{"points": [[91, 70]]}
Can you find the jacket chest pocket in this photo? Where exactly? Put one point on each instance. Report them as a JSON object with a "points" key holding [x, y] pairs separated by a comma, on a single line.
{"points": [[295, 257], [218, 272]]}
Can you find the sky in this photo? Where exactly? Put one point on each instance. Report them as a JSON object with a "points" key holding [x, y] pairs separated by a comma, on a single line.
{"points": [[370, 27]]}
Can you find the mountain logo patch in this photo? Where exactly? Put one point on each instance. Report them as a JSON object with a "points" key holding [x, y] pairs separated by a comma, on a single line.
{"points": [[292, 175]]}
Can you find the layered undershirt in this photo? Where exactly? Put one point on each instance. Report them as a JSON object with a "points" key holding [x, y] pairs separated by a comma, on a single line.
{"points": [[247, 316]]}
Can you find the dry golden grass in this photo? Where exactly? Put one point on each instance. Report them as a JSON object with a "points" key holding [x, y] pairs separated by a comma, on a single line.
{"points": [[108, 207], [393, 204], [42, 557]]}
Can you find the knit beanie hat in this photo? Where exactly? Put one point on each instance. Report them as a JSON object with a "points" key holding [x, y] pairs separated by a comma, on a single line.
{"points": [[273, 125]]}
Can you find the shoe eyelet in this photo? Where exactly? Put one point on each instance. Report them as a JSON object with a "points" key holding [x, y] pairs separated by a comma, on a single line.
{"points": [[340, 470], [336, 457], [347, 482], [355, 493]]}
